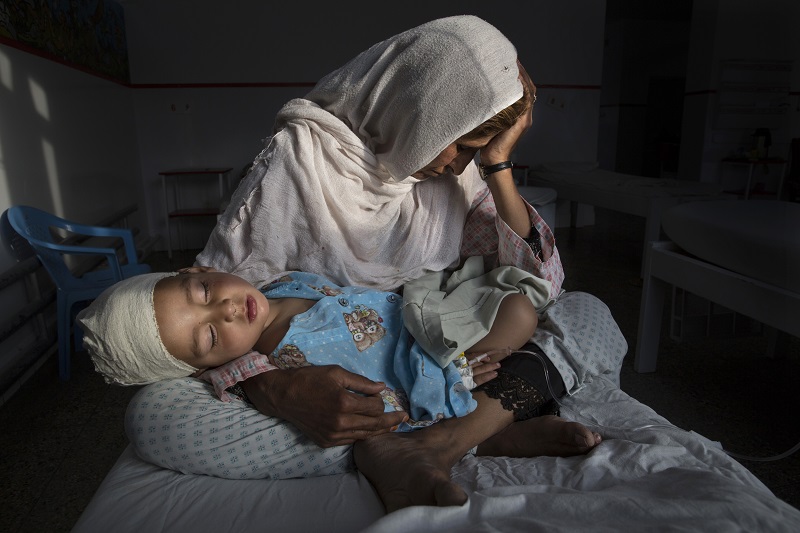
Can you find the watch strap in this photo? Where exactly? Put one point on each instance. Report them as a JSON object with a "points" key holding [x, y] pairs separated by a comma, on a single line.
{"points": [[486, 171]]}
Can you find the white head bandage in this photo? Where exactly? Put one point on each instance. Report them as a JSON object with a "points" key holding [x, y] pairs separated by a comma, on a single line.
{"points": [[120, 332]]}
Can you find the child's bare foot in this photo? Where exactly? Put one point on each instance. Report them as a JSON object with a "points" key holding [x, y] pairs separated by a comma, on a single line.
{"points": [[406, 470], [543, 435], [414, 468]]}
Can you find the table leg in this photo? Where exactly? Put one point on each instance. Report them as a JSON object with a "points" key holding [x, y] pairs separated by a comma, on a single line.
{"points": [[749, 179]]}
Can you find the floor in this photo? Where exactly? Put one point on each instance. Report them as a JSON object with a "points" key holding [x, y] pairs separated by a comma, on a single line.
{"points": [[58, 440]]}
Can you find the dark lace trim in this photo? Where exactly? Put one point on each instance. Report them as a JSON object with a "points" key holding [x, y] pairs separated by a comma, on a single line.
{"points": [[519, 397], [534, 240], [238, 390]]}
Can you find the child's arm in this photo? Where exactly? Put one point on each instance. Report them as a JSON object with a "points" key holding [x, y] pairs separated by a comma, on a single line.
{"points": [[513, 326]]}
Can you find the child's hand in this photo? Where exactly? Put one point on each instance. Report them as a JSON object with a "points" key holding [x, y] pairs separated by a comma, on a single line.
{"points": [[483, 371], [494, 356]]}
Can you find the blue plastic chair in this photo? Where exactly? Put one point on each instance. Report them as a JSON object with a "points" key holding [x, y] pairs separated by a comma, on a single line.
{"points": [[36, 226]]}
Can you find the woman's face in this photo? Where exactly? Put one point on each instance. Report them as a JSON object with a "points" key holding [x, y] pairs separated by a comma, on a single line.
{"points": [[454, 158], [207, 318]]}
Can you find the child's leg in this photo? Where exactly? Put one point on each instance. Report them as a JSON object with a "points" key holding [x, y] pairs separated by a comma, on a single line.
{"points": [[414, 468], [513, 326]]}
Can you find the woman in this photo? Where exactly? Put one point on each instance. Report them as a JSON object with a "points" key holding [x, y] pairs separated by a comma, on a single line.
{"points": [[372, 180]]}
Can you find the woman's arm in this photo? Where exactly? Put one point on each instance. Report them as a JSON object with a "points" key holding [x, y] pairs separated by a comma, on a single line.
{"points": [[327, 403], [510, 205]]}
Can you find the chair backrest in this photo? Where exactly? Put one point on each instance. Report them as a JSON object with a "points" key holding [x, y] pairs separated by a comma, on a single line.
{"points": [[15, 243], [35, 226], [41, 229]]}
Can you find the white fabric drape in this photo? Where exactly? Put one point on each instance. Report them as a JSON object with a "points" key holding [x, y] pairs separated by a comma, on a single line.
{"points": [[332, 194]]}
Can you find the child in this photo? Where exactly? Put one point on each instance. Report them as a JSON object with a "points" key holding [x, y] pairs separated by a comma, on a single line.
{"points": [[200, 321]]}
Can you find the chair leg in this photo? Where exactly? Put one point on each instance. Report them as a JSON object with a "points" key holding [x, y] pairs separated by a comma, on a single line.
{"points": [[64, 322]]}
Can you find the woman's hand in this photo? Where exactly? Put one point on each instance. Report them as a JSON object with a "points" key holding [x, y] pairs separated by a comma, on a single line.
{"points": [[510, 205], [328, 404], [503, 144]]}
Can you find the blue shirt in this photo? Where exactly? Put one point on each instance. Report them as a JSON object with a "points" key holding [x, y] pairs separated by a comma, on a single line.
{"points": [[361, 330]]}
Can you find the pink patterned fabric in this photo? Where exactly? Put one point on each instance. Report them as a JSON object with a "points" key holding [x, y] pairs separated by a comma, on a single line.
{"points": [[233, 372], [488, 235]]}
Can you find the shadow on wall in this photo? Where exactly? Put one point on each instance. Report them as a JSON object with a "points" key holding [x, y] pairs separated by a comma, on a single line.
{"points": [[28, 170]]}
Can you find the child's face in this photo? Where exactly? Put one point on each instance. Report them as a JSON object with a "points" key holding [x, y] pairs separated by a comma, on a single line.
{"points": [[207, 318]]}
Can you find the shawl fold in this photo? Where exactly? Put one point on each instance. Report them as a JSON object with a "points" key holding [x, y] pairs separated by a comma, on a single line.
{"points": [[332, 192]]}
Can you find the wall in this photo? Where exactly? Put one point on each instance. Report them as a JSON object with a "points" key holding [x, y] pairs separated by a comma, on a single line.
{"points": [[735, 30], [81, 146], [639, 54], [238, 54], [68, 145]]}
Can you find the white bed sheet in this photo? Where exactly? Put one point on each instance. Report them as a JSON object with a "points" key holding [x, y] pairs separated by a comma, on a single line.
{"points": [[649, 479]]}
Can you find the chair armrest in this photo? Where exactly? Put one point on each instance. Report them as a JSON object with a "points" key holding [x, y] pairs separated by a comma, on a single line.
{"points": [[101, 231], [109, 253]]}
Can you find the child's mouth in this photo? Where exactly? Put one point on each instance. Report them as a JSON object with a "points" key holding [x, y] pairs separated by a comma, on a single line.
{"points": [[252, 309]]}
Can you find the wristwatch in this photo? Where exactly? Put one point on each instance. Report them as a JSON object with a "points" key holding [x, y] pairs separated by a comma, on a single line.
{"points": [[491, 169]]}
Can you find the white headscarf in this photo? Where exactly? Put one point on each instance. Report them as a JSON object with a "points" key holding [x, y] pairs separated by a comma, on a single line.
{"points": [[120, 333], [332, 193]]}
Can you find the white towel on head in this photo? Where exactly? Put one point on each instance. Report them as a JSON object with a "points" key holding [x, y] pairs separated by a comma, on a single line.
{"points": [[332, 193]]}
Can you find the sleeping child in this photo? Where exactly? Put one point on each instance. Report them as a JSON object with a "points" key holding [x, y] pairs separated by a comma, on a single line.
{"points": [[218, 327]]}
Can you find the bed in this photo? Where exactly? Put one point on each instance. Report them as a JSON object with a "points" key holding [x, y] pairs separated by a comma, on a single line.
{"points": [[586, 183], [743, 255], [657, 477]]}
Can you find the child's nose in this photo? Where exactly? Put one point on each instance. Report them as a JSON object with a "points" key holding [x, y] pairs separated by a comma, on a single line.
{"points": [[227, 308]]}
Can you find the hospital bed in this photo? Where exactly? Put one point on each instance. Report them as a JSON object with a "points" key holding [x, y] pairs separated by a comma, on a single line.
{"points": [[743, 255], [586, 183], [645, 475]]}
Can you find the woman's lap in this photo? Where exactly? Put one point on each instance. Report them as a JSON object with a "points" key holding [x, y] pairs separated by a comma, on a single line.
{"points": [[581, 338], [180, 424]]}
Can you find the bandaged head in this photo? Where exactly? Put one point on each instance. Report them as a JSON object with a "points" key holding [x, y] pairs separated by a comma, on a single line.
{"points": [[120, 333]]}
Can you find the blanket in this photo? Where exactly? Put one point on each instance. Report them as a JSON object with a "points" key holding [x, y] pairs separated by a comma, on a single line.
{"points": [[645, 475]]}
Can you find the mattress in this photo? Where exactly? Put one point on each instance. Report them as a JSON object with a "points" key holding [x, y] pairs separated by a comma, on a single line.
{"points": [[646, 474]]}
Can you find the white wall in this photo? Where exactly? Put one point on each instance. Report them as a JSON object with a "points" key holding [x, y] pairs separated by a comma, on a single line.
{"points": [[68, 140], [81, 146], [68, 145], [251, 41]]}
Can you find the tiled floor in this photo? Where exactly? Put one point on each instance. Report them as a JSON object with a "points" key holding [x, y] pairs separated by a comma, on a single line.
{"points": [[59, 439]]}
